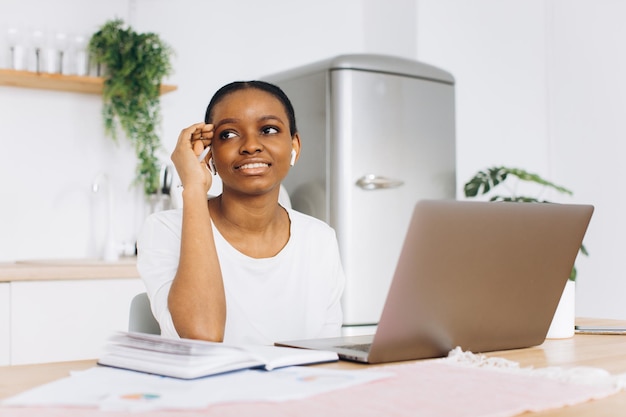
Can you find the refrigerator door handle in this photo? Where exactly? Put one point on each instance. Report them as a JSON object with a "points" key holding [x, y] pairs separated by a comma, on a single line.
{"points": [[375, 182]]}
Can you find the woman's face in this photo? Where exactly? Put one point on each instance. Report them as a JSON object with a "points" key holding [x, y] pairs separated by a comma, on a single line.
{"points": [[251, 143]]}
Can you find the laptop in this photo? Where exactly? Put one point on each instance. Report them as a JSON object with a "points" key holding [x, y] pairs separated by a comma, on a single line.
{"points": [[483, 276]]}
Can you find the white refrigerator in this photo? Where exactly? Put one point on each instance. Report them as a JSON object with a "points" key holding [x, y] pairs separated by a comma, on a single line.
{"points": [[378, 134]]}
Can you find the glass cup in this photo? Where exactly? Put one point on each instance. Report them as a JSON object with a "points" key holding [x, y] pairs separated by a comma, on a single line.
{"points": [[80, 55], [17, 49], [62, 53], [37, 39]]}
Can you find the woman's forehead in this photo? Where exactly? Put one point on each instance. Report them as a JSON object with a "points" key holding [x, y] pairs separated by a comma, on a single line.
{"points": [[248, 101]]}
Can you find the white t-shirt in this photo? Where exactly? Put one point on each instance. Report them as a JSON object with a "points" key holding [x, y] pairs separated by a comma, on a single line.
{"points": [[293, 295]]}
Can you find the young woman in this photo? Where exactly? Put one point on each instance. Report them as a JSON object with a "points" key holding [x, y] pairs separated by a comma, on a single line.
{"points": [[240, 268]]}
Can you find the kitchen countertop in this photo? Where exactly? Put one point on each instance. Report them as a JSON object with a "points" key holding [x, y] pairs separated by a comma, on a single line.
{"points": [[64, 269]]}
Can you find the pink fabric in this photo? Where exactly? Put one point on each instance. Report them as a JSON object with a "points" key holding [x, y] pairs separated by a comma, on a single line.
{"points": [[427, 389]]}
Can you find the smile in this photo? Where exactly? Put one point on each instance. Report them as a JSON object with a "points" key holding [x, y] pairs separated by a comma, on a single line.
{"points": [[255, 165]]}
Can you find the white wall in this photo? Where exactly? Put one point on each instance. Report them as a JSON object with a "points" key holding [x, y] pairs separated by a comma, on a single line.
{"points": [[540, 86], [217, 42], [53, 146], [587, 93]]}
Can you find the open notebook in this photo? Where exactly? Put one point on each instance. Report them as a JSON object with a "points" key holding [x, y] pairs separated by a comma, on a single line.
{"points": [[188, 359], [484, 276]]}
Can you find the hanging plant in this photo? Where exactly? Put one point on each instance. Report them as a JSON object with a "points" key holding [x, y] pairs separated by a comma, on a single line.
{"points": [[135, 64]]}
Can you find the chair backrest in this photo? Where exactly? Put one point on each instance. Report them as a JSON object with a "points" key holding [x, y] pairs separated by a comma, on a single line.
{"points": [[140, 318]]}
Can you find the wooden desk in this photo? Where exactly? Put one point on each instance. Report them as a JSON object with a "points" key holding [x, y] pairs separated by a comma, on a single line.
{"points": [[607, 352]]}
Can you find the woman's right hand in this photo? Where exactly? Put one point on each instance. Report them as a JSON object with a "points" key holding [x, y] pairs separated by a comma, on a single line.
{"points": [[191, 142]]}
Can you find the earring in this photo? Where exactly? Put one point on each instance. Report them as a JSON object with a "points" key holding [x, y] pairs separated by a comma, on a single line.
{"points": [[293, 157], [211, 166]]}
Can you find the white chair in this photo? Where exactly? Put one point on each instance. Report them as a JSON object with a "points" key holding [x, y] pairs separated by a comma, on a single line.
{"points": [[140, 318]]}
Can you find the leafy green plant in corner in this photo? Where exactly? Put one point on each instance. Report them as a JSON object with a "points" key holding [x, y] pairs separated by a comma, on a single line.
{"points": [[484, 183], [135, 65]]}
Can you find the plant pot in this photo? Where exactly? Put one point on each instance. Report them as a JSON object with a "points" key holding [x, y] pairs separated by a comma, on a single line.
{"points": [[563, 322]]}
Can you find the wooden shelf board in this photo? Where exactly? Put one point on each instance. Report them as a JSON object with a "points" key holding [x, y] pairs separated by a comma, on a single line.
{"points": [[59, 82]]}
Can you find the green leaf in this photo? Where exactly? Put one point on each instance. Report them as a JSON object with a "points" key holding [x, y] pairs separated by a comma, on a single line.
{"points": [[573, 274], [484, 181]]}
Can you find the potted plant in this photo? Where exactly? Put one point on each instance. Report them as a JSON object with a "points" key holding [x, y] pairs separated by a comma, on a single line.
{"points": [[483, 183], [135, 65]]}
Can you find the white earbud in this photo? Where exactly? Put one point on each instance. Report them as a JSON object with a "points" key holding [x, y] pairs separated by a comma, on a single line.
{"points": [[211, 166], [293, 157], [204, 153]]}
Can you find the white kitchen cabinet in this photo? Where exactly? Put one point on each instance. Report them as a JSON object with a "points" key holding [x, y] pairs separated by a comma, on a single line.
{"points": [[5, 323], [63, 310], [67, 320]]}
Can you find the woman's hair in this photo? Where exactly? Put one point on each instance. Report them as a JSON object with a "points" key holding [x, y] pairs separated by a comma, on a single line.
{"points": [[259, 85]]}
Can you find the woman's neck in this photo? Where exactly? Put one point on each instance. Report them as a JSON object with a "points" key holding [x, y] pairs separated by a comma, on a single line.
{"points": [[256, 226]]}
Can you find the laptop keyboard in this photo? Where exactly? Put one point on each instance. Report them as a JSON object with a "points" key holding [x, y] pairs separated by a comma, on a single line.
{"points": [[364, 347]]}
